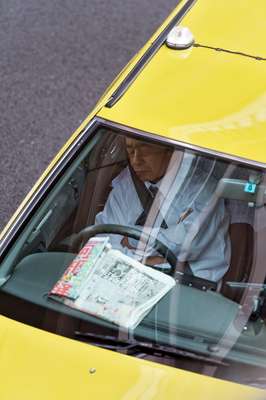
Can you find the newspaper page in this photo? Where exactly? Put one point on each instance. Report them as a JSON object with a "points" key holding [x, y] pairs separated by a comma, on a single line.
{"points": [[106, 283]]}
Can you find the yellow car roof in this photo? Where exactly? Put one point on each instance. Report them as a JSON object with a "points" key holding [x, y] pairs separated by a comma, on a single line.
{"points": [[212, 95], [236, 25]]}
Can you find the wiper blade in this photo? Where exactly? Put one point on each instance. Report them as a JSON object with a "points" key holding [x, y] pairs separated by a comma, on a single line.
{"points": [[133, 346]]}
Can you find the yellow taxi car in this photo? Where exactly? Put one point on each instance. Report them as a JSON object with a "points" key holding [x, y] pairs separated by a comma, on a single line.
{"points": [[170, 165]]}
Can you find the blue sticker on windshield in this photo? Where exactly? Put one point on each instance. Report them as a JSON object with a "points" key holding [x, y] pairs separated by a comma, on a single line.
{"points": [[250, 187]]}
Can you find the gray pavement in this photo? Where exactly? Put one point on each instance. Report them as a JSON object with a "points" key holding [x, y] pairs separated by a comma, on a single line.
{"points": [[56, 59]]}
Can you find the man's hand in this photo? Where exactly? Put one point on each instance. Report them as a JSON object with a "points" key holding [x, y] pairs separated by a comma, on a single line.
{"points": [[154, 260], [150, 261], [157, 260], [125, 243]]}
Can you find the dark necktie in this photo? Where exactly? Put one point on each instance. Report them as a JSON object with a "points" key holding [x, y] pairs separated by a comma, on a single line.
{"points": [[141, 220]]}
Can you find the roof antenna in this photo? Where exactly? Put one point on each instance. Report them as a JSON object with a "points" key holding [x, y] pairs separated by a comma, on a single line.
{"points": [[179, 38]]}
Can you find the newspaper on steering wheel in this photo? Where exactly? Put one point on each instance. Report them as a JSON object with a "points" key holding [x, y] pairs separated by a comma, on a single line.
{"points": [[106, 283]]}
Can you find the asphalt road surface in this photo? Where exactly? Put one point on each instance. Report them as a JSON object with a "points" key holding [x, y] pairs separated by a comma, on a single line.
{"points": [[56, 59]]}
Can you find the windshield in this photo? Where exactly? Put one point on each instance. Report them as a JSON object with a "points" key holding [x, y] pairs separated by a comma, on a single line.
{"points": [[156, 244]]}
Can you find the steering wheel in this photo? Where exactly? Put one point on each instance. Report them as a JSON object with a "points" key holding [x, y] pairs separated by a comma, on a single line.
{"points": [[135, 233]]}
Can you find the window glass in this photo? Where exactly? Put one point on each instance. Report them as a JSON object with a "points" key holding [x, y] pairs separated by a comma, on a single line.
{"points": [[199, 219]]}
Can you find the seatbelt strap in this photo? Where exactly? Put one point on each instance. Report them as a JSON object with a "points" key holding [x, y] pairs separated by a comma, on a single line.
{"points": [[146, 198]]}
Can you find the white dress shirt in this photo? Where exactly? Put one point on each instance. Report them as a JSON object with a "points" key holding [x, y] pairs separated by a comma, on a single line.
{"points": [[197, 223]]}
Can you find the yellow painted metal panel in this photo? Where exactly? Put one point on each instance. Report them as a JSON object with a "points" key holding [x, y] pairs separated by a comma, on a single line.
{"points": [[39, 365], [201, 97], [235, 25]]}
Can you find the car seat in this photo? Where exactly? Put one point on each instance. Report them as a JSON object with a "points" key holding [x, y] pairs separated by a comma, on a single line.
{"points": [[242, 243], [106, 162]]}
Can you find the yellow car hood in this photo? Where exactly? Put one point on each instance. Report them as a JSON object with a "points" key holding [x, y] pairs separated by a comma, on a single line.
{"points": [[39, 365]]}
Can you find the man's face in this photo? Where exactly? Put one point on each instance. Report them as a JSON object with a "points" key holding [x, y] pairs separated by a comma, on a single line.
{"points": [[149, 161]]}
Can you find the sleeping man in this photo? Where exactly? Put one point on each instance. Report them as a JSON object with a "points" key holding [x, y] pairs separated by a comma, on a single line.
{"points": [[170, 194]]}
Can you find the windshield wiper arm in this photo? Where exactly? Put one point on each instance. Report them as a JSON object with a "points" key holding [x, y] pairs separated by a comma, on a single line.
{"points": [[132, 347]]}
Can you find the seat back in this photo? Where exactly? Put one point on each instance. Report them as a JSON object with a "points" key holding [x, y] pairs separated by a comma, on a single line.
{"points": [[105, 163], [242, 244]]}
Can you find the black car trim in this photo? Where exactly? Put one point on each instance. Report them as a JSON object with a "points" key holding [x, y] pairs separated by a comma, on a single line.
{"points": [[118, 93], [184, 145]]}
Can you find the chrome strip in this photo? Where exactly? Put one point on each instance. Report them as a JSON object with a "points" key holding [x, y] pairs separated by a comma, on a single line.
{"points": [[66, 157], [151, 51], [185, 145]]}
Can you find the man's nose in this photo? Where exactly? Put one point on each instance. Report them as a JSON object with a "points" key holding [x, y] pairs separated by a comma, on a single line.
{"points": [[136, 156]]}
